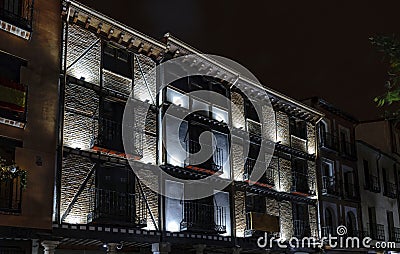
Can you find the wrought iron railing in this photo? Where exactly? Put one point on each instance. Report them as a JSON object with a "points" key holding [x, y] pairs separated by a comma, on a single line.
{"points": [[11, 195], [390, 190], [394, 235], [302, 183], [20, 16], [376, 231], [198, 217], [329, 185], [109, 137], [108, 206], [372, 184], [214, 163], [249, 166], [351, 191], [330, 141], [301, 228]]}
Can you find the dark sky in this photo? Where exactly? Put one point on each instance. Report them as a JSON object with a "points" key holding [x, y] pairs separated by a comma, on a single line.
{"points": [[300, 48]]}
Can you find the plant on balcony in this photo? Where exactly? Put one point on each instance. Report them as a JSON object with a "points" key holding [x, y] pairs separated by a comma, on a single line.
{"points": [[12, 171]]}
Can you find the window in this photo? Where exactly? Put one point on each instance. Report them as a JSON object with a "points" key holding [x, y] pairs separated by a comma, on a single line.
{"points": [[351, 223], [255, 203], [117, 60], [113, 199], [301, 220], [17, 13], [298, 128], [10, 188], [13, 99]]}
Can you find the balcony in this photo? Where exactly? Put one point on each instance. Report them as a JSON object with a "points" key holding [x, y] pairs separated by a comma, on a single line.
{"points": [[261, 222], [119, 208], [390, 190], [394, 235], [329, 141], [109, 139], [11, 195], [351, 191], [250, 164], [300, 183], [211, 165], [329, 185], [348, 149], [12, 103], [301, 228], [204, 218], [17, 18], [372, 184], [376, 231]]}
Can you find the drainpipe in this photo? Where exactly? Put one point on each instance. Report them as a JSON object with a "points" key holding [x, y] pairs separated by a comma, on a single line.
{"points": [[377, 168]]}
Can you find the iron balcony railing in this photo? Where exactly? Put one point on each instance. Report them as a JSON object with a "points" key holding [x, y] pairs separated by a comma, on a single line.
{"points": [[394, 235], [198, 217], [18, 13], [351, 191], [302, 183], [11, 195], [109, 137], [301, 228], [329, 185], [112, 207], [376, 231], [249, 166], [348, 149], [390, 190], [330, 141], [372, 184], [214, 163]]}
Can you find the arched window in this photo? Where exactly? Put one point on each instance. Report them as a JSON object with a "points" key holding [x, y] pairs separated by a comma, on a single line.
{"points": [[328, 229], [351, 224]]}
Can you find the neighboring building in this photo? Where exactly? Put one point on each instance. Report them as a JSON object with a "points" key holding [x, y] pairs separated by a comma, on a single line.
{"points": [[29, 76], [379, 150], [338, 188], [100, 201], [379, 193]]}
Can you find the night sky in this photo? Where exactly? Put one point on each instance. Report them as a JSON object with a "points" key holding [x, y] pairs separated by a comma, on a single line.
{"points": [[300, 48]]}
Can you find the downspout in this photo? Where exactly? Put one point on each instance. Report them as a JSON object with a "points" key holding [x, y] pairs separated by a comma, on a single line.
{"points": [[377, 168], [60, 118]]}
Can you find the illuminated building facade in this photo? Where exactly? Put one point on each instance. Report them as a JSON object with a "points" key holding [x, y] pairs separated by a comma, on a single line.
{"points": [[100, 201]]}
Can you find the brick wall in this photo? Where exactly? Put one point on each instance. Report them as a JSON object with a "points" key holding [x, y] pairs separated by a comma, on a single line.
{"points": [[282, 125], [238, 120], [286, 219], [269, 127], [75, 170], [311, 138], [313, 218], [285, 175], [237, 159], [89, 65], [81, 106], [144, 85], [240, 213]]}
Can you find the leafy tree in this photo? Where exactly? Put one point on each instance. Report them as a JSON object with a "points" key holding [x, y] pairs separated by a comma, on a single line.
{"points": [[390, 47]]}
